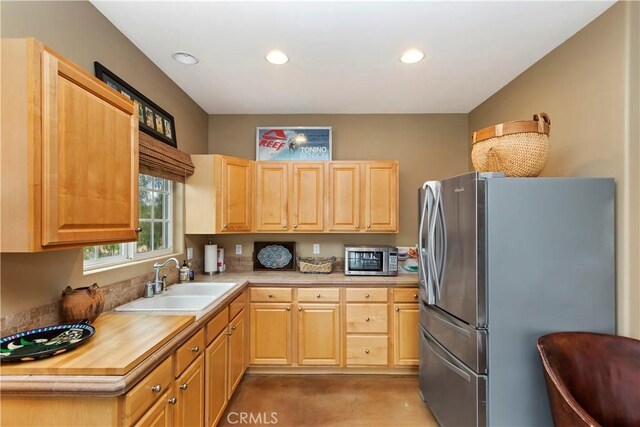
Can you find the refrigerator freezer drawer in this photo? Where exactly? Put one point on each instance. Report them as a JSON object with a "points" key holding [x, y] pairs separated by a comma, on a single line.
{"points": [[464, 341], [455, 394]]}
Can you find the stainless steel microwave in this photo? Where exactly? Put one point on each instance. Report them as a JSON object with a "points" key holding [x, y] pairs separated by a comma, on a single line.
{"points": [[370, 260]]}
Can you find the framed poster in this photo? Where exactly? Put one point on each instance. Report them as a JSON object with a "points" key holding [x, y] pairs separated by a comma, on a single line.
{"points": [[303, 143], [152, 119]]}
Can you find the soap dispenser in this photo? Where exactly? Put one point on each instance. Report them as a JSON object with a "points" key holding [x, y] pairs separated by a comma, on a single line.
{"points": [[184, 272]]}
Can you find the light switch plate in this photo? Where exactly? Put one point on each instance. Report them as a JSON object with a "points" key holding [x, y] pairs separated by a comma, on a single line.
{"points": [[189, 253], [239, 249], [316, 248]]}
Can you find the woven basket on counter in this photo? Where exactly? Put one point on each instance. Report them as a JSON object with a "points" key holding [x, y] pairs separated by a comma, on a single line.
{"points": [[316, 265], [519, 149]]}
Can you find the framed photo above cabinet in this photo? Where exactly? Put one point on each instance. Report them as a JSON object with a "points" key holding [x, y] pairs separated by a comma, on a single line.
{"points": [[303, 143], [152, 119]]}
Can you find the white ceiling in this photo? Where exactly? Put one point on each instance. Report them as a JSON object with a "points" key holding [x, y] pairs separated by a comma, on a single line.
{"points": [[344, 56]]}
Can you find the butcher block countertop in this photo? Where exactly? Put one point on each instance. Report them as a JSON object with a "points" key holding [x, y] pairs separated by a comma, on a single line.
{"points": [[121, 342], [127, 345]]}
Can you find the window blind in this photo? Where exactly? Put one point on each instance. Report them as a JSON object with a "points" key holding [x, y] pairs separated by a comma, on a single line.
{"points": [[162, 160]]}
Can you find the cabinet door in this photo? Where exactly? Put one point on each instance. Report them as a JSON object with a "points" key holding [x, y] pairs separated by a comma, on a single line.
{"points": [[189, 393], [307, 198], [381, 196], [405, 334], [272, 192], [159, 415], [344, 196], [216, 371], [89, 159], [270, 330], [236, 351], [319, 334], [236, 192]]}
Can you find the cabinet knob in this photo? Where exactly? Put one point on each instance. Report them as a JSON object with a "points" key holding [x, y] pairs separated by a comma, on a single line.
{"points": [[397, 308], [156, 388], [415, 296], [366, 319], [366, 295], [368, 225], [173, 400], [295, 225], [138, 230], [357, 226], [224, 226], [270, 295], [366, 350], [284, 225], [233, 328], [318, 296], [195, 349], [299, 308], [184, 386], [288, 308], [230, 333]]}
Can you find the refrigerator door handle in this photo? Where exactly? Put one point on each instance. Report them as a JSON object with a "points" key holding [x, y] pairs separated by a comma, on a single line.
{"points": [[424, 279], [442, 256], [436, 190], [447, 363]]}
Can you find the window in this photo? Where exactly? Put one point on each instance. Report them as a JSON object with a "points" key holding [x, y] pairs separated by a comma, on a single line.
{"points": [[155, 239]]}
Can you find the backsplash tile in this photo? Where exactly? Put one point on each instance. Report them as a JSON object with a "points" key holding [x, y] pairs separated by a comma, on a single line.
{"points": [[115, 294]]}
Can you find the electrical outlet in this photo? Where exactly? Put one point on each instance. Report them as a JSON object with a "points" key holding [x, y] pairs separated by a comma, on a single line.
{"points": [[316, 248], [189, 253], [239, 249]]}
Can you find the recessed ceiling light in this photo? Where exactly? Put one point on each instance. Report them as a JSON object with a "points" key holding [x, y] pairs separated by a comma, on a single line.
{"points": [[412, 56], [185, 58], [277, 57]]}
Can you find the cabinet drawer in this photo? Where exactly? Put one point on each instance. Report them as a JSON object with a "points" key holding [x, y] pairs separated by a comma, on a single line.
{"points": [[367, 350], [369, 318], [237, 305], [319, 295], [188, 352], [217, 325], [405, 295], [366, 294], [146, 392], [271, 294]]}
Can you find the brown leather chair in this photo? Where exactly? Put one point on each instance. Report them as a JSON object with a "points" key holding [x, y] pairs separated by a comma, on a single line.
{"points": [[592, 379]]}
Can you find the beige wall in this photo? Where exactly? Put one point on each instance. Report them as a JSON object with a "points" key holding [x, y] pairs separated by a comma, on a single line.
{"points": [[589, 87], [78, 31], [427, 146]]}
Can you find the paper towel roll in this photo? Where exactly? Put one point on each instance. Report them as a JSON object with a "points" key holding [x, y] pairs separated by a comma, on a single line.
{"points": [[210, 259]]}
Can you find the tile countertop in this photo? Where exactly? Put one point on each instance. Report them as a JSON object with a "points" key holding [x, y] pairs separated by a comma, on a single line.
{"points": [[71, 382]]}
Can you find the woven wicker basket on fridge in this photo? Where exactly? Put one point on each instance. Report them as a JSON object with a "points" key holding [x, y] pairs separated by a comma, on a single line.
{"points": [[518, 149]]}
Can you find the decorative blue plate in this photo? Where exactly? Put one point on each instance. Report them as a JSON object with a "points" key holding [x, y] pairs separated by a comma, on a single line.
{"points": [[274, 256], [44, 342]]}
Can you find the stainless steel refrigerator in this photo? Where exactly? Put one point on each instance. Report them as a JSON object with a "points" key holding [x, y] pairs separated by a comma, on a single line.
{"points": [[504, 261]]}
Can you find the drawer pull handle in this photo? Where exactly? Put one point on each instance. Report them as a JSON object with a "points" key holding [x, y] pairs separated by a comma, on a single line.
{"points": [[156, 388], [195, 349], [397, 308], [366, 295], [184, 386], [138, 230], [366, 319], [270, 295], [288, 308], [318, 296], [366, 350], [173, 400]]}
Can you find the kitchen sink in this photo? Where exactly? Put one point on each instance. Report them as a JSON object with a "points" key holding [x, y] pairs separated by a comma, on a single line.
{"points": [[192, 296]]}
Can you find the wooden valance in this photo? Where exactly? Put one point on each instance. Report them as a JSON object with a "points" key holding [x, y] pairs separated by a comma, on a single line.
{"points": [[162, 160]]}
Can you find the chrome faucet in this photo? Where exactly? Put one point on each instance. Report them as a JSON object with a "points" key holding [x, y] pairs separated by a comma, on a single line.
{"points": [[157, 283]]}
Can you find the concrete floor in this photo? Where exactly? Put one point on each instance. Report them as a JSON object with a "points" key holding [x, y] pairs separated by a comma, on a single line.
{"points": [[327, 400]]}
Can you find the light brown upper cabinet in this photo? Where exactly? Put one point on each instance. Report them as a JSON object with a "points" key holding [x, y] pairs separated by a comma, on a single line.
{"points": [[363, 196], [219, 195], [290, 196], [69, 154]]}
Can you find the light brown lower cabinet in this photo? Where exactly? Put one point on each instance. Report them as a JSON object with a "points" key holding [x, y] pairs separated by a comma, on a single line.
{"points": [[188, 392], [160, 414], [216, 368], [270, 333], [237, 361], [319, 334], [405, 334]]}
